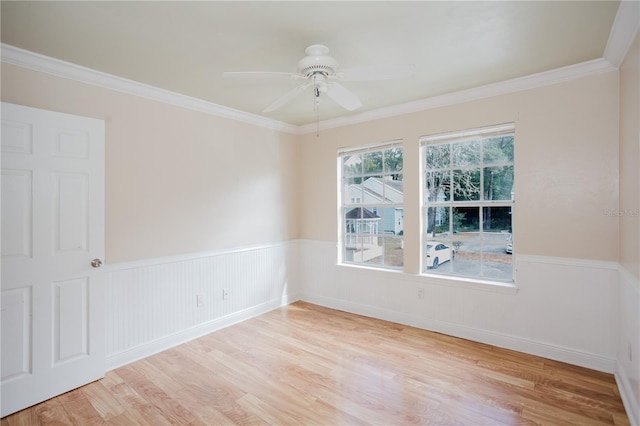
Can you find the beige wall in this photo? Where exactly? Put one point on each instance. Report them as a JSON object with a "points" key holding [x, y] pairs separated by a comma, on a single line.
{"points": [[180, 181], [630, 161], [177, 181], [566, 166]]}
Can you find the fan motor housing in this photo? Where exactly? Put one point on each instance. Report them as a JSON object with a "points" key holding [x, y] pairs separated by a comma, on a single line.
{"points": [[317, 61], [322, 69]]}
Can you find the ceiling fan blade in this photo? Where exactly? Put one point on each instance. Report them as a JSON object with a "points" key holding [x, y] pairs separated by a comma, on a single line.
{"points": [[260, 75], [287, 97], [343, 97], [378, 72]]}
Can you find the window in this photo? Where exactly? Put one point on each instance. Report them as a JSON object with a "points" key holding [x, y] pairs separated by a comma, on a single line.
{"points": [[371, 208], [468, 203]]}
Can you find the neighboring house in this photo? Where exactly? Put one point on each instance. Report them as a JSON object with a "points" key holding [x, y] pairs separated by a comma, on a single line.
{"points": [[441, 215], [376, 191], [362, 221], [361, 238]]}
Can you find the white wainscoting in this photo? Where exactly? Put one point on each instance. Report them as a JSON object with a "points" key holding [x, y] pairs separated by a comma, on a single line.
{"points": [[153, 305], [572, 310], [628, 371], [563, 309]]}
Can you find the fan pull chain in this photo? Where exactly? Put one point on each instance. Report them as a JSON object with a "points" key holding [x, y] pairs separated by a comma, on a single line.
{"points": [[316, 105]]}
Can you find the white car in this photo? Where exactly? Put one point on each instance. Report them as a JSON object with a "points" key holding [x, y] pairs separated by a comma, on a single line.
{"points": [[509, 248], [438, 253]]}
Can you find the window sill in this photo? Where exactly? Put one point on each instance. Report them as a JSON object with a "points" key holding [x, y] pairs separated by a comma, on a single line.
{"points": [[361, 267], [464, 282], [432, 279]]}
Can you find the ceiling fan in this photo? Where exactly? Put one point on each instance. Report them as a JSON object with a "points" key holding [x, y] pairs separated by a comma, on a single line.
{"points": [[320, 72]]}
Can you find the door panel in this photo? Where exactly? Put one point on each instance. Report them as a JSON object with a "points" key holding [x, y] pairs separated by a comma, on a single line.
{"points": [[16, 332], [52, 227], [16, 137], [71, 321], [16, 239], [71, 206]]}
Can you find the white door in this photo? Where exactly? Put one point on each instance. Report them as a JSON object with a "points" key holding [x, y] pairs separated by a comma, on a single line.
{"points": [[52, 229]]}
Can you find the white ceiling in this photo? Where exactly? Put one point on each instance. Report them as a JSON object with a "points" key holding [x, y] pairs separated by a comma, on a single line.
{"points": [[184, 47]]}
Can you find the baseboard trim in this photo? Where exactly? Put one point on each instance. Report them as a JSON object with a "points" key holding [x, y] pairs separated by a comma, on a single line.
{"points": [[545, 350], [631, 405], [139, 352], [630, 396]]}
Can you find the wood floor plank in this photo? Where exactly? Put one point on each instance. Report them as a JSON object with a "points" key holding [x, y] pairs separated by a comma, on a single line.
{"points": [[134, 405], [52, 412], [83, 411], [26, 417], [304, 364], [161, 398]]}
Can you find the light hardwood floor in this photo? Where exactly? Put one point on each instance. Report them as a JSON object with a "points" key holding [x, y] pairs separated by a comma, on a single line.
{"points": [[308, 365]]}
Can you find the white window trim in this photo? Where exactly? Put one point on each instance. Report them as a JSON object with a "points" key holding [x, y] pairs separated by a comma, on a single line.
{"points": [[378, 146], [469, 134], [429, 279], [463, 136], [342, 204]]}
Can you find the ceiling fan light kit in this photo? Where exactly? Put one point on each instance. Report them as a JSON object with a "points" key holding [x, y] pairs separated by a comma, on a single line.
{"points": [[320, 71]]}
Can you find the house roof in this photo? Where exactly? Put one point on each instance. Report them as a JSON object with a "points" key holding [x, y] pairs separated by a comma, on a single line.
{"points": [[361, 213], [386, 190], [398, 185]]}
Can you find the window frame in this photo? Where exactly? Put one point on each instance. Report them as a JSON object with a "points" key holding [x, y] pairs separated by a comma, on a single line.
{"points": [[451, 138], [346, 203]]}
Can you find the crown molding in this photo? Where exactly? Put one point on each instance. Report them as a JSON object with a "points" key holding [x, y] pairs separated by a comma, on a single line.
{"points": [[37, 62], [546, 78], [624, 30]]}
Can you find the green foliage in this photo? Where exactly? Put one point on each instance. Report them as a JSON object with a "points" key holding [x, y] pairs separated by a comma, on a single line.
{"points": [[393, 160], [372, 162], [458, 219], [496, 218], [498, 150], [388, 162], [445, 212], [498, 182]]}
